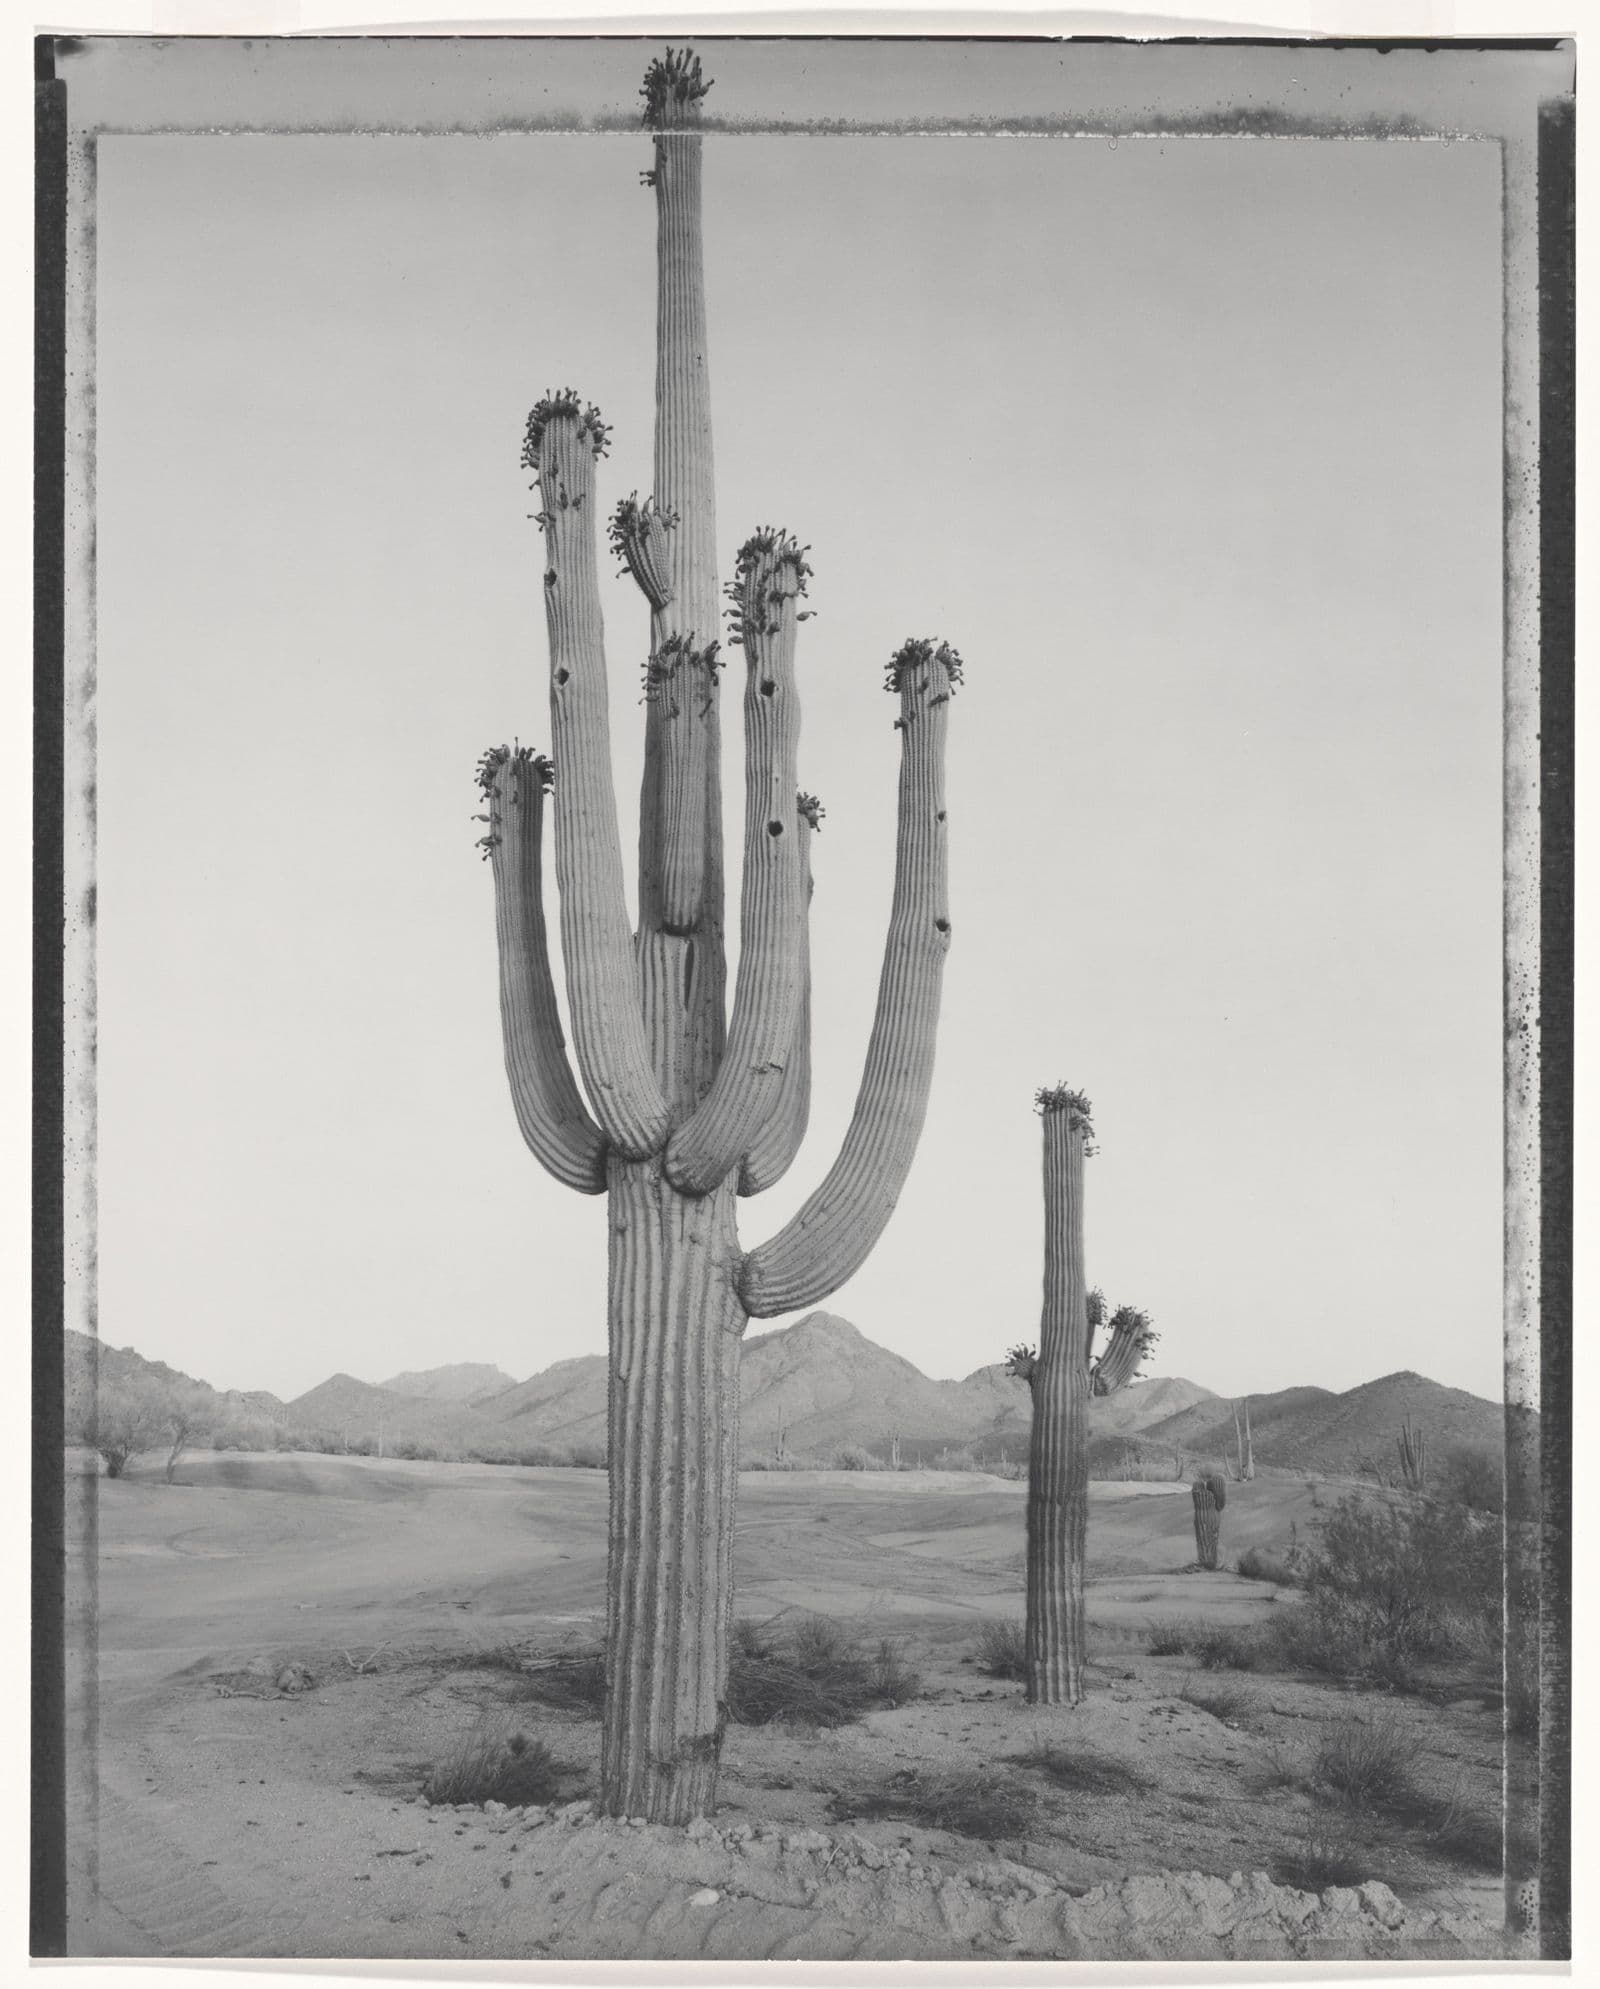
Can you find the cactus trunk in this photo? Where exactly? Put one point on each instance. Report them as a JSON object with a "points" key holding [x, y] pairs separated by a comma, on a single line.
{"points": [[675, 1324], [687, 1108], [1058, 1457]]}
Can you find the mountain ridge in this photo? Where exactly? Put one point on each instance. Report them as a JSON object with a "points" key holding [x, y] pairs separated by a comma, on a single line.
{"points": [[819, 1387]]}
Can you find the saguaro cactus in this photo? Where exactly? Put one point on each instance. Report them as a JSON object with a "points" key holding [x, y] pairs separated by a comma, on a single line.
{"points": [[1062, 1376], [1210, 1495], [1243, 1466], [686, 1111], [1413, 1446]]}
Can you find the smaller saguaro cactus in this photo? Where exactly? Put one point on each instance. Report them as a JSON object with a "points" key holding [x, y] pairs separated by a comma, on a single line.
{"points": [[1413, 1447], [1210, 1495], [1062, 1376], [894, 1451], [1243, 1466]]}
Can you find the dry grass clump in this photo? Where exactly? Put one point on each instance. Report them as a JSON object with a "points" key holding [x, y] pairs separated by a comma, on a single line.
{"points": [[497, 1762], [1003, 1647], [1327, 1851], [1257, 1565], [814, 1672], [1172, 1636], [574, 1682], [1222, 1702], [1222, 1649], [1083, 1772], [1366, 1766], [967, 1803]]}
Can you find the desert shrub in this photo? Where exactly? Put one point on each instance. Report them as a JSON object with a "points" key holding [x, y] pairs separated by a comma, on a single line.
{"points": [[417, 1450], [1365, 1762], [497, 1763], [852, 1458], [1171, 1637], [968, 1803], [812, 1671], [1473, 1475], [1257, 1565], [1082, 1771], [1003, 1647], [1389, 1586], [124, 1417], [1223, 1702], [239, 1433], [587, 1457], [1326, 1851], [574, 1681], [1367, 1765], [955, 1460], [1220, 1647], [1010, 1468]]}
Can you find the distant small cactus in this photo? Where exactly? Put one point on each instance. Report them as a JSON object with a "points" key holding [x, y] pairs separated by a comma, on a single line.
{"points": [[1210, 1495]]}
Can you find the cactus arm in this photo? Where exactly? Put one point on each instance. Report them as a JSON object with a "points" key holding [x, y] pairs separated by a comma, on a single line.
{"points": [[1132, 1337], [761, 1030], [602, 977], [544, 1093], [779, 1140], [831, 1235], [683, 718]]}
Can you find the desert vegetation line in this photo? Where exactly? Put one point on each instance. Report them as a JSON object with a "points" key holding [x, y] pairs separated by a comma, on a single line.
{"points": [[688, 1107]]}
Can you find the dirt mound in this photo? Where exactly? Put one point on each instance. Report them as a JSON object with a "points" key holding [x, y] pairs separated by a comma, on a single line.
{"points": [[753, 1891]]}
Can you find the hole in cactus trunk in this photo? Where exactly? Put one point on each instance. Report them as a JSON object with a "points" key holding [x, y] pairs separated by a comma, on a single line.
{"points": [[562, 676], [767, 687], [774, 828], [942, 924]]}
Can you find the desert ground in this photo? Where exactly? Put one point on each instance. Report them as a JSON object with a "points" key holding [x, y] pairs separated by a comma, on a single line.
{"points": [[282, 1646]]}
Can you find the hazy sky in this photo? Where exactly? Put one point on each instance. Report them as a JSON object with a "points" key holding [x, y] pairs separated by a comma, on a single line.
{"points": [[1191, 446]]}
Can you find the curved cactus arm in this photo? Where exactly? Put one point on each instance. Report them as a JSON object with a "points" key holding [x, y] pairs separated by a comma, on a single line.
{"points": [[1023, 1362], [770, 579], [831, 1235], [779, 1140], [562, 443], [1132, 1337], [544, 1093]]}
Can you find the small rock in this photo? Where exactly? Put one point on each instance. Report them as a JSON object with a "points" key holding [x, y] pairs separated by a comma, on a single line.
{"points": [[706, 1896], [576, 1811], [698, 1828], [637, 1822], [493, 1808], [1381, 1903]]}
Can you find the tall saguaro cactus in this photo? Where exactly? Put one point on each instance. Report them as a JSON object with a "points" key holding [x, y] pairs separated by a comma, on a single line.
{"points": [[688, 1107], [1062, 1375]]}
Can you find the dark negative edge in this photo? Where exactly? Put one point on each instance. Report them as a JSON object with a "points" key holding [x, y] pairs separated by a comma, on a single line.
{"points": [[47, 1914], [1557, 631]]}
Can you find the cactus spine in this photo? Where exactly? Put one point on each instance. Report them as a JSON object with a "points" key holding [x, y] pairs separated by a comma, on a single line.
{"points": [[1062, 1376], [1413, 1446], [1210, 1495], [685, 1109]]}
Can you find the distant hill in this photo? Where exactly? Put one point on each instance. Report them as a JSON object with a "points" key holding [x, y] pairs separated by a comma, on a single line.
{"points": [[463, 1381], [88, 1360], [342, 1405], [823, 1386], [1317, 1430]]}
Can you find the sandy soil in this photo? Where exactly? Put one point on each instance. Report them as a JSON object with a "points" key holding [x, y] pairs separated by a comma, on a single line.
{"points": [[225, 1817]]}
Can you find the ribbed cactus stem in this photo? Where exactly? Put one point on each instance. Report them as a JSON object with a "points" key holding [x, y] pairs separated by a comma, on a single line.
{"points": [[1413, 1445], [544, 1093], [1058, 1455], [778, 1142], [685, 725], [596, 940], [771, 579], [675, 1326], [1210, 1495], [834, 1231]]}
